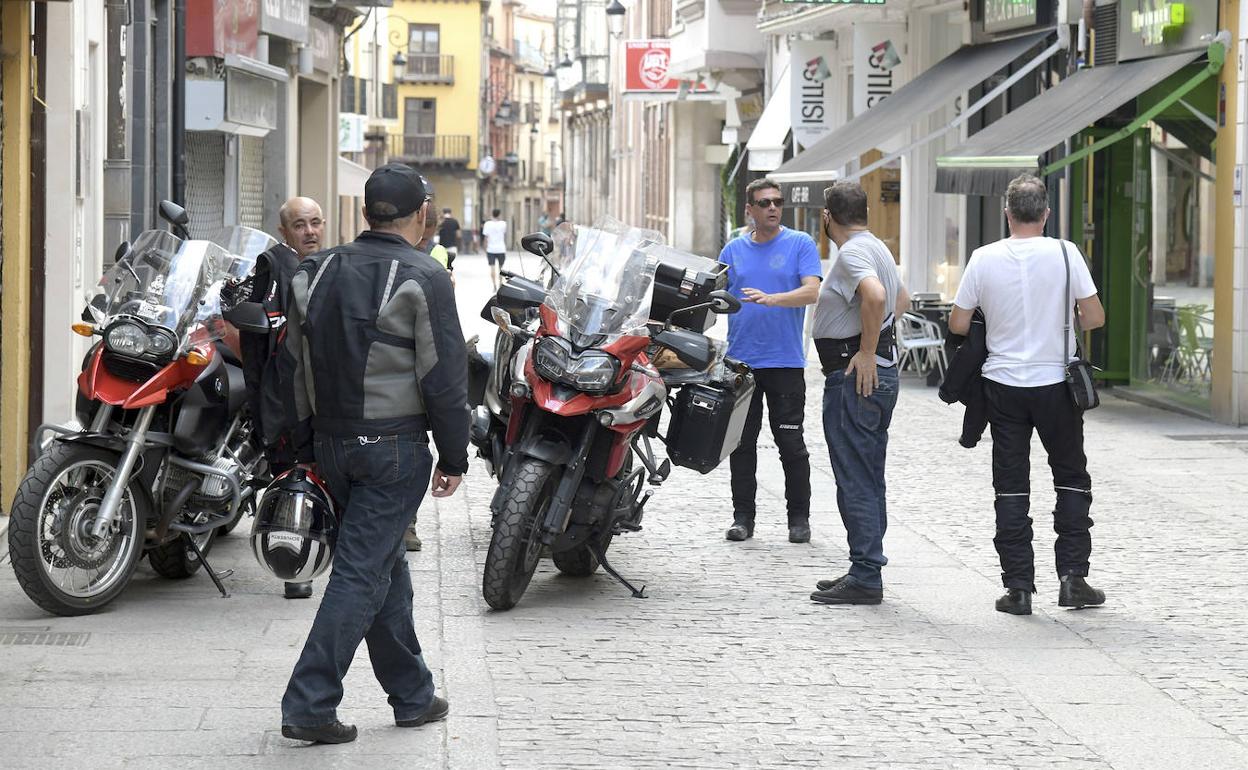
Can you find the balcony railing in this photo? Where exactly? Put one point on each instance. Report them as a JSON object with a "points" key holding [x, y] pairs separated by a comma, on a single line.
{"points": [[431, 148], [430, 68]]}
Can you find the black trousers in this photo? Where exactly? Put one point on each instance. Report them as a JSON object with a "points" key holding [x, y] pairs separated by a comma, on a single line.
{"points": [[785, 391], [1013, 413]]}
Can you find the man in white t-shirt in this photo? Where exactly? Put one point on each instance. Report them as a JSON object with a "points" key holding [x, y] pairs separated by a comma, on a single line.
{"points": [[1020, 284], [495, 233]]}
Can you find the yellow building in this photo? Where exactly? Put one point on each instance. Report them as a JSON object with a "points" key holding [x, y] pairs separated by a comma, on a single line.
{"points": [[438, 69]]}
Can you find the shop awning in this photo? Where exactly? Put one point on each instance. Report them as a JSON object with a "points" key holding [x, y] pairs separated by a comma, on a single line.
{"points": [[767, 142], [915, 100], [351, 178], [1018, 142]]}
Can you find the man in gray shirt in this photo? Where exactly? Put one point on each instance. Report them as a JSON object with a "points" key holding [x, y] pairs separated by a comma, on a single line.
{"points": [[858, 304]]}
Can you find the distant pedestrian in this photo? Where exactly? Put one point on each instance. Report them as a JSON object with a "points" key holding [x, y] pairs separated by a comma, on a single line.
{"points": [[448, 236], [775, 271], [1022, 286], [543, 223], [301, 225], [853, 331], [495, 233], [380, 364]]}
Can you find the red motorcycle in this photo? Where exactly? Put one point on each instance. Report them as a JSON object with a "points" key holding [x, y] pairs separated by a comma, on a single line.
{"points": [[163, 460], [573, 395]]}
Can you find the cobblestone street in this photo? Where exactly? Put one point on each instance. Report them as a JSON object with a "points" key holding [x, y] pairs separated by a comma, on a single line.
{"points": [[727, 663]]}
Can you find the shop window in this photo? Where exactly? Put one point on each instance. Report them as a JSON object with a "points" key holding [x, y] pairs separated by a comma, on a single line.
{"points": [[389, 101], [347, 94]]}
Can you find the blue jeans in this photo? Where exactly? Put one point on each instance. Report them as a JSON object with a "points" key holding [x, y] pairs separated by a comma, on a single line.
{"points": [[377, 483], [856, 429]]}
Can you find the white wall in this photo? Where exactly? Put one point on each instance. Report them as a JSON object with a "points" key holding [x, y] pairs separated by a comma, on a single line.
{"points": [[76, 81], [696, 200]]}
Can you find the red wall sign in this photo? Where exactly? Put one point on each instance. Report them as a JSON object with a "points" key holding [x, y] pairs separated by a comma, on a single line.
{"points": [[645, 66], [220, 27]]}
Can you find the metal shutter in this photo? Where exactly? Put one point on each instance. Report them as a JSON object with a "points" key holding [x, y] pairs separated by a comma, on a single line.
{"points": [[205, 182], [1105, 24], [251, 181]]}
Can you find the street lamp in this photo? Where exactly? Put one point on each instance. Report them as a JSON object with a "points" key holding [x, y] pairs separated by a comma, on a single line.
{"points": [[615, 18], [400, 65]]}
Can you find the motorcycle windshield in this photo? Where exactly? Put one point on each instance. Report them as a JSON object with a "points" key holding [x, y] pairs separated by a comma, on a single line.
{"points": [[603, 291], [171, 283]]}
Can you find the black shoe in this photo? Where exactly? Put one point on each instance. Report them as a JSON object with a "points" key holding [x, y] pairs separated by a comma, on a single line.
{"points": [[1075, 592], [824, 585], [298, 590], [799, 533], [411, 541], [739, 532], [436, 712], [848, 592], [334, 732], [1016, 602]]}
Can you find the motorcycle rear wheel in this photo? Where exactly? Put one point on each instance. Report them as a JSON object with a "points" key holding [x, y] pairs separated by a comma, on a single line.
{"points": [[176, 560], [59, 564], [516, 546]]}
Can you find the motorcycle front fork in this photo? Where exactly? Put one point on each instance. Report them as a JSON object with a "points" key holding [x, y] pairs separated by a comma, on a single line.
{"points": [[135, 444]]}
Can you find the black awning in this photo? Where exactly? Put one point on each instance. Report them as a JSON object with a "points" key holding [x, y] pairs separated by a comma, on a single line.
{"points": [[1016, 143], [929, 91]]}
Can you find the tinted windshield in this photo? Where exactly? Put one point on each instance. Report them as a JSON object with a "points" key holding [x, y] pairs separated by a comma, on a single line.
{"points": [[603, 291], [165, 281]]}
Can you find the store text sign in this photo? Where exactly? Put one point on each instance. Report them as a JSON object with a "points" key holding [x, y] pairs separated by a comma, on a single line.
{"points": [[813, 97], [836, 2], [1003, 15], [1149, 28], [646, 63], [877, 63]]}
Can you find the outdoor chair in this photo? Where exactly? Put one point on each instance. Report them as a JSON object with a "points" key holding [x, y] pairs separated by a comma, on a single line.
{"points": [[922, 344]]}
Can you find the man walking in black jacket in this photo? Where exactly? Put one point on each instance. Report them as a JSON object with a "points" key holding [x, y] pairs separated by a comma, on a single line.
{"points": [[379, 362]]}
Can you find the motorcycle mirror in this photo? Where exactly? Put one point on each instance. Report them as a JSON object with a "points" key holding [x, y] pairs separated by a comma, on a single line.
{"points": [[123, 251], [248, 317], [690, 347], [723, 302], [176, 216], [540, 244]]}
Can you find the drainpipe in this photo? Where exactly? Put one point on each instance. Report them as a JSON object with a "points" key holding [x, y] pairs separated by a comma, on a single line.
{"points": [[177, 126]]}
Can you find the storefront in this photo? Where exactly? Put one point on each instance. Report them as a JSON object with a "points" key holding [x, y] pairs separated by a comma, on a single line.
{"points": [[1126, 147]]}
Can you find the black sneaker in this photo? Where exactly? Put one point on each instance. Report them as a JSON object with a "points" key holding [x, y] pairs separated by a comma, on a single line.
{"points": [[848, 592], [824, 585], [738, 532], [1016, 601], [334, 732], [1075, 592], [298, 590], [436, 712]]}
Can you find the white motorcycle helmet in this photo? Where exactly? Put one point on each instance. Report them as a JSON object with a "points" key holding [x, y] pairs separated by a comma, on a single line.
{"points": [[296, 527]]}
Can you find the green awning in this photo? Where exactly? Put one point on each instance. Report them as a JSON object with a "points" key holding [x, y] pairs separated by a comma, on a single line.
{"points": [[1020, 141]]}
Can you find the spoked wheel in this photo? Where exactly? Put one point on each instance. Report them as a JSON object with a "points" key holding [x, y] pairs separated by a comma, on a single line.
{"points": [[516, 546], [59, 563]]}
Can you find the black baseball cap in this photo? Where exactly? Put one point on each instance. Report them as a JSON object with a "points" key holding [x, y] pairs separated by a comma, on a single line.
{"points": [[394, 191]]}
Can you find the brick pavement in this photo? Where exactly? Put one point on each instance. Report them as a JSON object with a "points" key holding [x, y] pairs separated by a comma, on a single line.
{"points": [[727, 664]]}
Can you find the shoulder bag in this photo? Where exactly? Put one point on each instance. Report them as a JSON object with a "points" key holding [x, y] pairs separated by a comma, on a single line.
{"points": [[1079, 371]]}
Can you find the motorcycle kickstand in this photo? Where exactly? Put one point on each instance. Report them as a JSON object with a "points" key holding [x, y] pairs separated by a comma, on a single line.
{"points": [[602, 559], [212, 573]]}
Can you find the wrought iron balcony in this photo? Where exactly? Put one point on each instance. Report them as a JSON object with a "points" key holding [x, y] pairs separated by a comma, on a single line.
{"points": [[430, 68], [446, 149]]}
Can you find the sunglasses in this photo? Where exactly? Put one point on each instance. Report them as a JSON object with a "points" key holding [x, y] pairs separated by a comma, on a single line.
{"points": [[766, 203]]}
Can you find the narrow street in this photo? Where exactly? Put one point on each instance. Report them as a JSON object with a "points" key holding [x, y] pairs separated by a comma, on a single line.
{"points": [[727, 663]]}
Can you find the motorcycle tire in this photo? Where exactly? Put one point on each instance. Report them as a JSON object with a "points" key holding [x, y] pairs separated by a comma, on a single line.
{"points": [[516, 547], [176, 560], [580, 562], [247, 508], [31, 538]]}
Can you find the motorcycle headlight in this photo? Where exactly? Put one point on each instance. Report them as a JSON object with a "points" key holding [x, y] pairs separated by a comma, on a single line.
{"points": [[591, 371], [128, 339], [160, 343]]}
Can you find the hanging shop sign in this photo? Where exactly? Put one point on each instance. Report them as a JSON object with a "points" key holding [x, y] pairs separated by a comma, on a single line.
{"points": [[323, 42], [877, 63], [812, 96], [286, 19], [1149, 28], [351, 130], [250, 100], [646, 66], [222, 27], [1005, 15]]}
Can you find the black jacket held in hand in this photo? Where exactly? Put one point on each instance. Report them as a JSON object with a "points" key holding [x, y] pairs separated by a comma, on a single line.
{"points": [[964, 381], [375, 335]]}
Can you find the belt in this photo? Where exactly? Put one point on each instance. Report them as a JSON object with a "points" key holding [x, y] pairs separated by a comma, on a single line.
{"points": [[834, 355]]}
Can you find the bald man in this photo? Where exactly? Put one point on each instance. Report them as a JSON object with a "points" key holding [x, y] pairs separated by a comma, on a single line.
{"points": [[302, 228]]}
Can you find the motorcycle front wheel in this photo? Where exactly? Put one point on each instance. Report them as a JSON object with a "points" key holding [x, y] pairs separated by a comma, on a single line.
{"points": [[59, 563], [516, 545]]}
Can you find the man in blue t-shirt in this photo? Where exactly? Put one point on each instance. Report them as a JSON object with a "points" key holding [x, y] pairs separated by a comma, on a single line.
{"points": [[775, 273]]}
